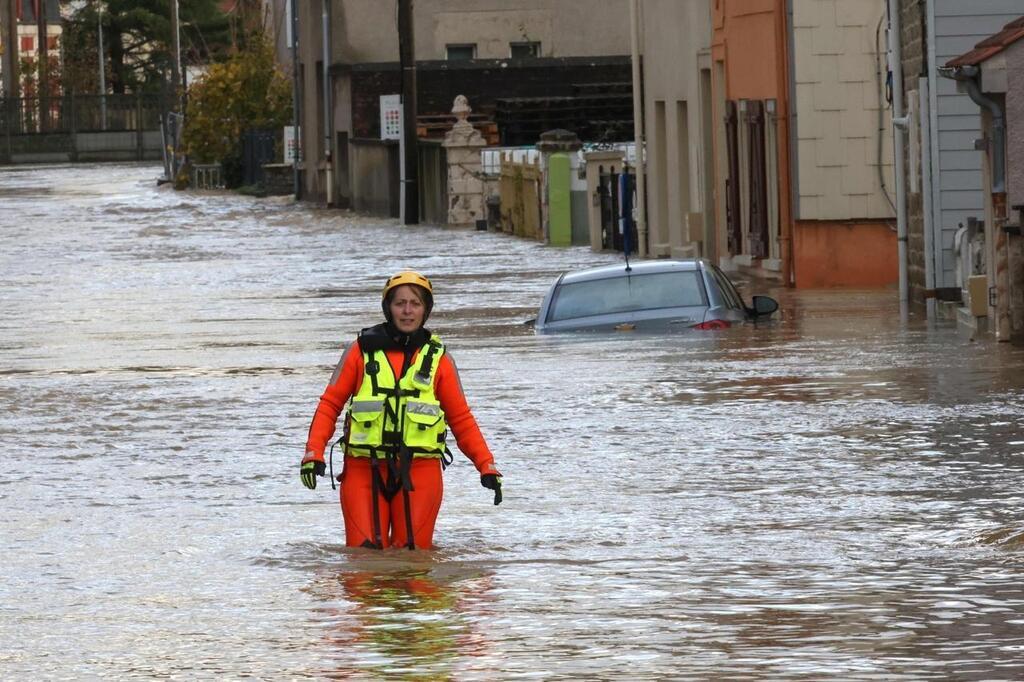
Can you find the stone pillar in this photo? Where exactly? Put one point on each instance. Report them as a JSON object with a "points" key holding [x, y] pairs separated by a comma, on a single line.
{"points": [[465, 177]]}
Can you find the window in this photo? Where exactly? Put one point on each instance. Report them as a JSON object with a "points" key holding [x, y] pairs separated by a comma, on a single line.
{"points": [[627, 294], [27, 44], [521, 50], [51, 43], [732, 297], [458, 53]]}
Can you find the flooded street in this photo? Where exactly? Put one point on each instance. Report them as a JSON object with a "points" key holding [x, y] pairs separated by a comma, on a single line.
{"points": [[833, 494]]}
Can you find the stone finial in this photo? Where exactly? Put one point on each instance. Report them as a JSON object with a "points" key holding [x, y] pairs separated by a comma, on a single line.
{"points": [[461, 108], [463, 134]]}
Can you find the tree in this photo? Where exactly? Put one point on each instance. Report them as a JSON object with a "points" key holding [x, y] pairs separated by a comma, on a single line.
{"points": [[247, 91], [138, 42]]}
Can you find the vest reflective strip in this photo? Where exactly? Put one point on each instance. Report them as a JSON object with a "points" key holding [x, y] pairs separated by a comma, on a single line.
{"points": [[423, 408], [367, 405]]}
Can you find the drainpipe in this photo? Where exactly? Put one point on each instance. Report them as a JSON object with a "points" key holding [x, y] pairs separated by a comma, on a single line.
{"points": [[325, 18], [638, 131], [899, 122], [968, 75]]}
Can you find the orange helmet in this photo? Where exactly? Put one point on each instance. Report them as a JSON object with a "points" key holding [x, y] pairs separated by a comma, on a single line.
{"points": [[408, 277]]}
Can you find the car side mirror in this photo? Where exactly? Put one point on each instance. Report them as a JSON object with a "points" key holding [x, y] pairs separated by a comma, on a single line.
{"points": [[764, 305]]}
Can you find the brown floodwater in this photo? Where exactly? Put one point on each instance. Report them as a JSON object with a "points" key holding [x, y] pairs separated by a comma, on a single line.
{"points": [[836, 493]]}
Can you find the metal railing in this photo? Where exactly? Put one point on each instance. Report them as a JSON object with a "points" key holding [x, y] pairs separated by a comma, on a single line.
{"points": [[80, 127]]}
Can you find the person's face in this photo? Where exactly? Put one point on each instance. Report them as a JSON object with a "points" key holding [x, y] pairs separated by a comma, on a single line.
{"points": [[407, 309]]}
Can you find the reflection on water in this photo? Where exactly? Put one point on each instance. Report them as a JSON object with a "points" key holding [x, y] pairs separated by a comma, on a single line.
{"points": [[387, 618], [830, 494]]}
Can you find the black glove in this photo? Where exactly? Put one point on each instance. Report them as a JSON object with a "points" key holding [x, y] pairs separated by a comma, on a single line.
{"points": [[309, 471], [492, 482]]}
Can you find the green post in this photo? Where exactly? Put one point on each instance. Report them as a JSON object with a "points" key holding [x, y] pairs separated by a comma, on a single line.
{"points": [[559, 204]]}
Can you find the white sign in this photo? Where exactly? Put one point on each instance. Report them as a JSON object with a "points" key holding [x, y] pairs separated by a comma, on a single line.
{"points": [[391, 117], [291, 144]]}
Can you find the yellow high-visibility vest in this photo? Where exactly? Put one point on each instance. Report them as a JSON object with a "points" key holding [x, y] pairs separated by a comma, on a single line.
{"points": [[385, 415]]}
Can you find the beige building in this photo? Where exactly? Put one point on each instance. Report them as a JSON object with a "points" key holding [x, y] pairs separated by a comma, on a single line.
{"points": [[364, 42], [676, 48]]}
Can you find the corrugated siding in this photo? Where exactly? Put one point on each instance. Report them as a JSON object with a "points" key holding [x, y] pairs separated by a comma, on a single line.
{"points": [[959, 26]]}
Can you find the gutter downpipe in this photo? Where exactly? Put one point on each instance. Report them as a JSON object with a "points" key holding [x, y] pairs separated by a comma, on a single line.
{"points": [[792, 162], [325, 17], [968, 75], [638, 131], [899, 122]]}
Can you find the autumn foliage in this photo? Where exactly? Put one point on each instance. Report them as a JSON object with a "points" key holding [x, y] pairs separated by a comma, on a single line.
{"points": [[245, 92]]}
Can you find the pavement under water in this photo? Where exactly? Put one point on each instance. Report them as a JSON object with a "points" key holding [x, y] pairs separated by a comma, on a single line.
{"points": [[832, 494]]}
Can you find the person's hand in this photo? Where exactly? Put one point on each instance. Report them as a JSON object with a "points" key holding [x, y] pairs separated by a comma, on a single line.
{"points": [[309, 471], [492, 482]]}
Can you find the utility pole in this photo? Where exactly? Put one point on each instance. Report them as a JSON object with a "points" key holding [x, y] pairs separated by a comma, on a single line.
{"points": [[44, 66], [407, 60], [12, 85], [176, 61], [296, 99], [103, 76], [325, 84]]}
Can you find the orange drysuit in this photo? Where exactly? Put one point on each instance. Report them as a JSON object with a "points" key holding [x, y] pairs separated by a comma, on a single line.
{"points": [[425, 473]]}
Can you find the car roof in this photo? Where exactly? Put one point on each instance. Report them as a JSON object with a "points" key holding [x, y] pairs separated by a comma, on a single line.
{"points": [[635, 268]]}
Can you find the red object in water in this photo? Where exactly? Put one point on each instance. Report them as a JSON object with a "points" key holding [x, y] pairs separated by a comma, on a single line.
{"points": [[713, 324]]}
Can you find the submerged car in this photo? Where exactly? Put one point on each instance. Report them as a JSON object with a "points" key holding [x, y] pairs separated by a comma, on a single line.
{"points": [[659, 295]]}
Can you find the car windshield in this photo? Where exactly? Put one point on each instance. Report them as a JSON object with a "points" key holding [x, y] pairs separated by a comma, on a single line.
{"points": [[626, 295]]}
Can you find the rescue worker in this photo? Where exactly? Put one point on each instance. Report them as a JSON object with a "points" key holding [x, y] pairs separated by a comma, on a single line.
{"points": [[405, 394]]}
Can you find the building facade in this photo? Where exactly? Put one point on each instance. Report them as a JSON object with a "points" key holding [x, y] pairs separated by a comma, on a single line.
{"points": [[487, 50], [944, 168], [676, 49]]}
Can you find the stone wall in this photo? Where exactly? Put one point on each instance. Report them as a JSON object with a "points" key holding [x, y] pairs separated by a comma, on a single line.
{"points": [[913, 44]]}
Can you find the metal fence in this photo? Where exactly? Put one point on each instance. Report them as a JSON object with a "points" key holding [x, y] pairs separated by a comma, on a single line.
{"points": [[96, 127]]}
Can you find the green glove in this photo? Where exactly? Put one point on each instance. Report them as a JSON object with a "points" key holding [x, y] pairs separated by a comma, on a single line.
{"points": [[309, 471], [492, 482]]}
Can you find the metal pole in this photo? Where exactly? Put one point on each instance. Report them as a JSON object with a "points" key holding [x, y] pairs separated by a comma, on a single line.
{"points": [[325, 16], [176, 62], [296, 100], [103, 74], [410, 157], [896, 66], [11, 49], [638, 131], [43, 55]]}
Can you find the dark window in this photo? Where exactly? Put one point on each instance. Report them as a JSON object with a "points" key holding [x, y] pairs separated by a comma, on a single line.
{"points": [[729, 293], [627, 294], [521, 50], [460, 52]]}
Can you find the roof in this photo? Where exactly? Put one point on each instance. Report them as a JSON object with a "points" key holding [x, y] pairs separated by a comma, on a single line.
{"points": [[992, 45], [636, 268]]}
